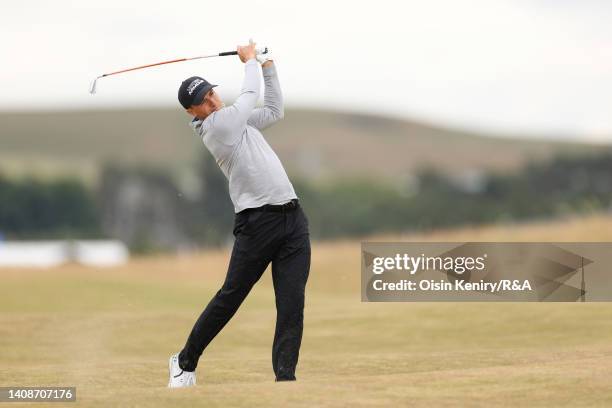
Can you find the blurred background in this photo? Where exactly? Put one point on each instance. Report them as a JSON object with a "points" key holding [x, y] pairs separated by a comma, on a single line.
{"points": [[399, 118], [440, 120]]}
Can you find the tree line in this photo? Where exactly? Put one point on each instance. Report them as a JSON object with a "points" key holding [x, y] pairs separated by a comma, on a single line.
{"points": [[145, 207]]}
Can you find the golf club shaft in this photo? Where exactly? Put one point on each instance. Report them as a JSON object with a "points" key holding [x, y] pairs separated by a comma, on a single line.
{"points": [[92, 87], [143, 66], [221, 54]]}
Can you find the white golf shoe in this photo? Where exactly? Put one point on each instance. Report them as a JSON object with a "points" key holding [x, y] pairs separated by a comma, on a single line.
{"points": [[178, 376]]}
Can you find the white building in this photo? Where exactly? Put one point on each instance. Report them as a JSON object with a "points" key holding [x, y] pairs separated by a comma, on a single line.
{"points": [[45, 254]]}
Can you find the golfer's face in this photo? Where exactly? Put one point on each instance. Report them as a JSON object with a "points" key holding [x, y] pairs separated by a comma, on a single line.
{"points": [[211, 102]]}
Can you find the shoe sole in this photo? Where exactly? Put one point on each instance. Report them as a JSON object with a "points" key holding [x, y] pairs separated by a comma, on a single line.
{"points": [[170, 371]]}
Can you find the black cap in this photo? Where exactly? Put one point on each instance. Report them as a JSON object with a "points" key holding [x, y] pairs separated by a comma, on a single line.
{"points": [[192, 91]]}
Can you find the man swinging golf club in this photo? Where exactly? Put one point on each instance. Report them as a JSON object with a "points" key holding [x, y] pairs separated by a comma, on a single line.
{"points": [[269, 225]]}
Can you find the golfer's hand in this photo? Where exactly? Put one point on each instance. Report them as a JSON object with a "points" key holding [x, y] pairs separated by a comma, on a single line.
{"points": [[246, 52], [264, 59]]}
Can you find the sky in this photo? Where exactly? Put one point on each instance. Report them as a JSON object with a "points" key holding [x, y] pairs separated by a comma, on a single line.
{"points": [[534, 67]]}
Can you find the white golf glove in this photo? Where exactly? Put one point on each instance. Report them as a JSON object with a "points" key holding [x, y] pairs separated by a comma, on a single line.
{"points": [[261, 58]]}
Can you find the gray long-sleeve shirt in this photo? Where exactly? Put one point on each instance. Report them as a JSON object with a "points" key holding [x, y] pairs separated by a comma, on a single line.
{"points": [[233, 136]]}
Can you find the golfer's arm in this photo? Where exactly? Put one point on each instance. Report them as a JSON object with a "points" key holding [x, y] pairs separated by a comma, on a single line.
{"points": [[272, 110], [235, 116]]}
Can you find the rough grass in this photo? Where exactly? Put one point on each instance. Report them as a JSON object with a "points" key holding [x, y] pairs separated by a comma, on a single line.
{"points": [[110, 332]]}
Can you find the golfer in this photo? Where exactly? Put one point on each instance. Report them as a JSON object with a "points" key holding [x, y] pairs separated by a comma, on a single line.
{"points": [[269, 225]]}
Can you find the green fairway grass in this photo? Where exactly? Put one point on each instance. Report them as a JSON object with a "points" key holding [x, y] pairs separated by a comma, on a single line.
{"points": [[109, 332]]}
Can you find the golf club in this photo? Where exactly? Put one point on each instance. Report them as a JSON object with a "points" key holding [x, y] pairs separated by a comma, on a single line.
{"points": [[92, 87]]}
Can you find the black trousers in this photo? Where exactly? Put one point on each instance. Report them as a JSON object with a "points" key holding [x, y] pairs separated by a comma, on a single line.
{"points": [[281, 238]]}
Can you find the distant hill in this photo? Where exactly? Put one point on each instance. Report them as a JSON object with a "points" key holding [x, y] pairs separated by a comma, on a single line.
{"points": [[313, 144]]}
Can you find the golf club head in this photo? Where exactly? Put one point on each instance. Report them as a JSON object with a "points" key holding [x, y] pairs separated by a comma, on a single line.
{"points": [[92, 86]]}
